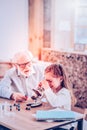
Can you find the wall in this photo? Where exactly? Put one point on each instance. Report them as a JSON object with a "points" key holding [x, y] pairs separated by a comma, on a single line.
{"points": [[13, 27], [75, 65]]}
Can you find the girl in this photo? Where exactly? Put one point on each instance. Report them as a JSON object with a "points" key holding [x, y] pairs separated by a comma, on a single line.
{"points": [[58, 93]]}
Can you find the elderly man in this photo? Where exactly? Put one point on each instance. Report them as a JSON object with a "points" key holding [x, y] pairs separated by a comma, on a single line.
{"points": [[21, 78]]}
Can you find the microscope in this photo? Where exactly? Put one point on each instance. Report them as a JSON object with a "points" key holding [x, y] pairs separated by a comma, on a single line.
{"points": [[37, 98]]}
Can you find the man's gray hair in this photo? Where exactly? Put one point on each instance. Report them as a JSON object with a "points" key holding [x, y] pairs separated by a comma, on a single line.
{"points": [[21, 55]]}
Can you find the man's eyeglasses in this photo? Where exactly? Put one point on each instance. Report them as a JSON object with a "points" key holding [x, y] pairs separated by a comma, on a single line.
{"points": [[24, 64]]}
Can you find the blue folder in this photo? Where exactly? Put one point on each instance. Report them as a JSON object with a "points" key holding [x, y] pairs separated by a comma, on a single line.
{"points": [[54, 115]]}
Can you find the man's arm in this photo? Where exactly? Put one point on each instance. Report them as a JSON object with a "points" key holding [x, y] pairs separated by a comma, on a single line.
{"points": [[5, 87]]}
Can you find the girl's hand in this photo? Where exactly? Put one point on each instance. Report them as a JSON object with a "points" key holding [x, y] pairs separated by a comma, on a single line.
{"points": [[43, 84]]}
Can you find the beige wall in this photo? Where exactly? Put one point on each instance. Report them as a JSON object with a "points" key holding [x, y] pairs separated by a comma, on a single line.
{"points": [[13, 27]]}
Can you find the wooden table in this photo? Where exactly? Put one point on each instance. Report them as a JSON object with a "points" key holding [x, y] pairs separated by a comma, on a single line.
{"points": [[24, 120]]}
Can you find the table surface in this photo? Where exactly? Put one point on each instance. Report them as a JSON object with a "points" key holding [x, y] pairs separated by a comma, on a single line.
{"points": [[24, 119]]}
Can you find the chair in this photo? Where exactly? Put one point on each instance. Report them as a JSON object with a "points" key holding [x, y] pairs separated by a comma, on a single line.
{"points": [[4, 66]]}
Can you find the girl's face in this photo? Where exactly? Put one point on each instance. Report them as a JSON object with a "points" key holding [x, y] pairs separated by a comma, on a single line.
{"points": [[53, 82]]}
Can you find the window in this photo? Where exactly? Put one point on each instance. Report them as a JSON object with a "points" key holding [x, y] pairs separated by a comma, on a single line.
{"points": [[81, 22]]}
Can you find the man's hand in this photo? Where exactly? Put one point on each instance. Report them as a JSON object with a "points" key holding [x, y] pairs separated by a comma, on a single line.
{"points": [[18, 97]]}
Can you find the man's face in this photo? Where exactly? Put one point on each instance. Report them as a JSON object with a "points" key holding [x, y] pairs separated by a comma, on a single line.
{"points": [[24, 65]]}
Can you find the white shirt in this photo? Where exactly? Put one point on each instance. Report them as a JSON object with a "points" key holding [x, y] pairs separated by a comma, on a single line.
{"points": [[62, 99], [13, 81]]}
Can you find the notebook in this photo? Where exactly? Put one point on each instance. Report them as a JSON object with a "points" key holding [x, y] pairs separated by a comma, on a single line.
{"points": [[54, 115]]}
